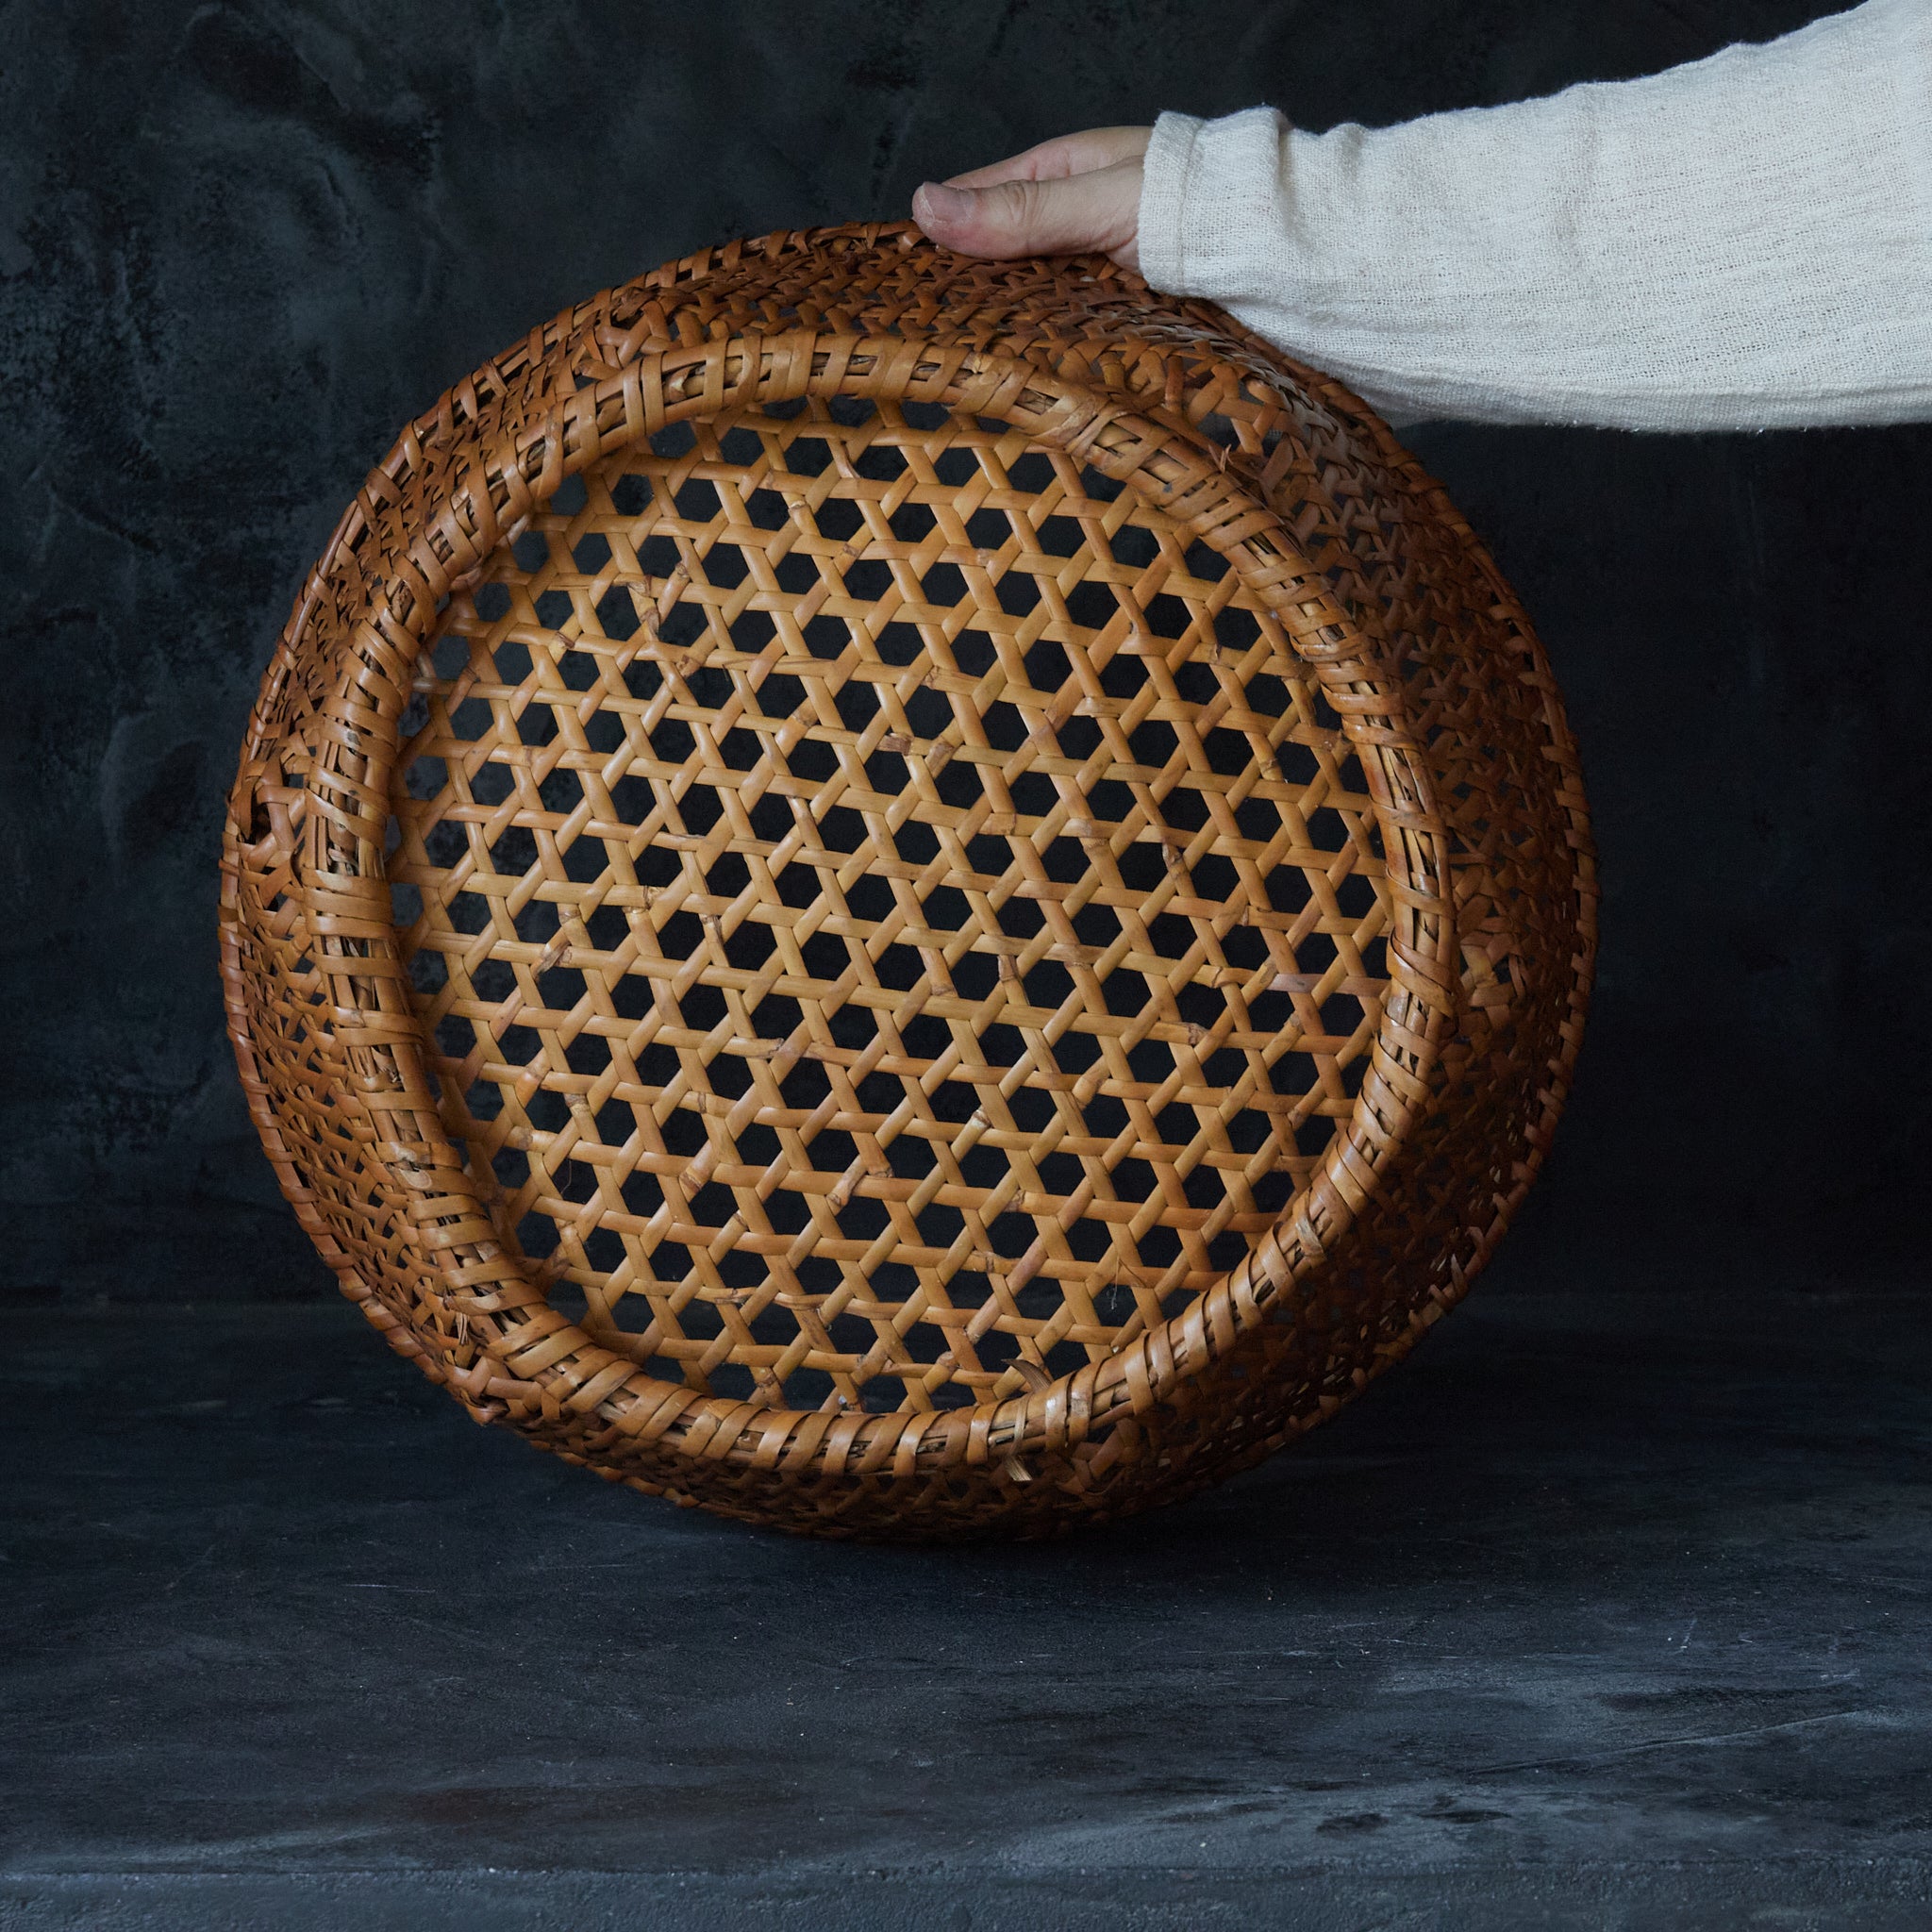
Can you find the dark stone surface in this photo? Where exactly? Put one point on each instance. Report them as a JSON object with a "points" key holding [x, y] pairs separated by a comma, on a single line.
{"points": [[241, 243], [1604, 1611]]}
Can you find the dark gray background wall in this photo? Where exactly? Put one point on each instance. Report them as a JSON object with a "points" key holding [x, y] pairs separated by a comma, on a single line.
{"points": [[241, 243]]}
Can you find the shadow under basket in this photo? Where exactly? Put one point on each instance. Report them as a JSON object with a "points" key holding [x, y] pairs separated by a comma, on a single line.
{"points": [[903, 896]]}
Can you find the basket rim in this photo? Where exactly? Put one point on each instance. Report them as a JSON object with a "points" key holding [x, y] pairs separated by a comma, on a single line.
{"points": [[488, 475]]}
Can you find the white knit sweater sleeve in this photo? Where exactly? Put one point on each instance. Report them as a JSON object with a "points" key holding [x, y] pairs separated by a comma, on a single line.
{"points": [[1741, 242]]}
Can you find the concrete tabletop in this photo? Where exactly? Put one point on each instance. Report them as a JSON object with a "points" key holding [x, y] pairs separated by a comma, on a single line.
{"points": [[1601, 1611]]}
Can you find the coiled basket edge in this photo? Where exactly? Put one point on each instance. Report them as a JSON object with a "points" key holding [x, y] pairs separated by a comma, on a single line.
{"points": [[904, 896]]}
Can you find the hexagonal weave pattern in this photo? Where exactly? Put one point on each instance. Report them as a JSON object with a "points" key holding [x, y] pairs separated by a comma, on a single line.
{"points": [[902, 896]]}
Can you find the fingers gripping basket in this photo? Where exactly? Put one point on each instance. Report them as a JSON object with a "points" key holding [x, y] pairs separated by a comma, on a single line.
{"points": [[904, 896]]}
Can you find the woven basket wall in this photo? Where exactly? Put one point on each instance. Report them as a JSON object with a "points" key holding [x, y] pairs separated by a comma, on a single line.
{"points": [[904, 896]]}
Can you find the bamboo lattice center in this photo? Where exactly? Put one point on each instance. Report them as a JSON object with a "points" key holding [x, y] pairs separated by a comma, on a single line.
{"points": [[896, 920]]}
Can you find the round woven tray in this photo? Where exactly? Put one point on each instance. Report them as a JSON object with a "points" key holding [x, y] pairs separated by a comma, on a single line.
{"points": [[904, 896]]}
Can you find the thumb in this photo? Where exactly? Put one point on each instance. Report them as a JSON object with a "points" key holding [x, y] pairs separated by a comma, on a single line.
{"points": [[1099, 211]]}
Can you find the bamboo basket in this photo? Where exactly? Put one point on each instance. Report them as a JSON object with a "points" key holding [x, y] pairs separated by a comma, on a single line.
{"points": [[904, 896]]}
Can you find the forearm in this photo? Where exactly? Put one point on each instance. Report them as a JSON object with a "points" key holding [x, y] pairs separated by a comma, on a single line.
{"points": [[1745, 242]]}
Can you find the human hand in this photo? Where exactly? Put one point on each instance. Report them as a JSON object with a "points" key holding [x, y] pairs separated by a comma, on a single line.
{"points": [[1078, 194]]}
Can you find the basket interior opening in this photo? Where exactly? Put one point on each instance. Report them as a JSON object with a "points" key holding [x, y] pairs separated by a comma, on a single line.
{"points": [[893, 917]]}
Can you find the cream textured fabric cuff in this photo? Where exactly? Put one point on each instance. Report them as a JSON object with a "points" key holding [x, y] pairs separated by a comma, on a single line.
{"points": [[1203, 202]]}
